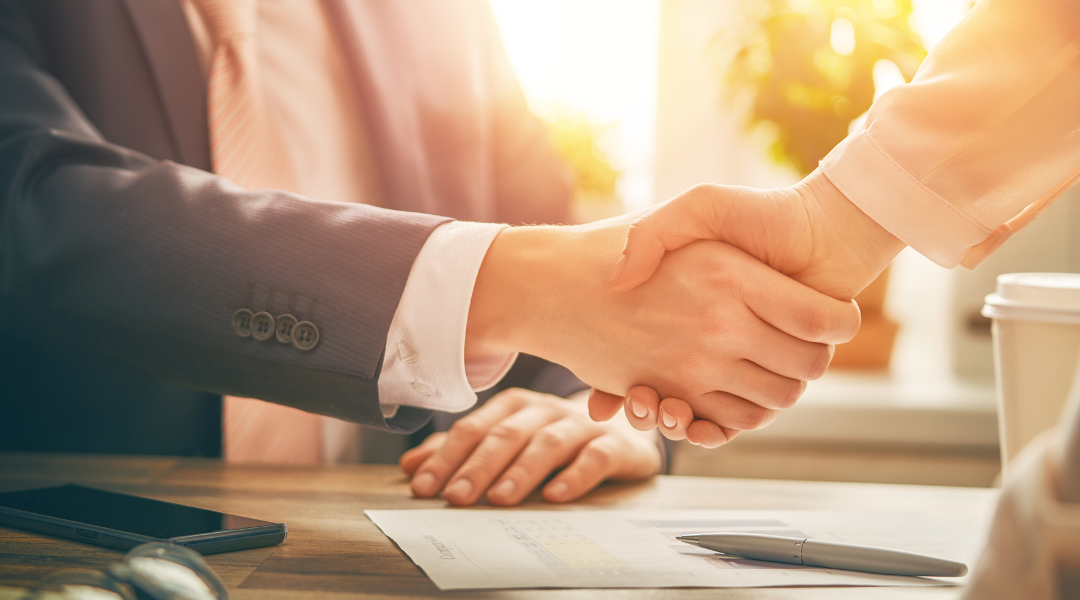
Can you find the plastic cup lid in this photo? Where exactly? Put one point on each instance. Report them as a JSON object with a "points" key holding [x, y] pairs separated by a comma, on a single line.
{"points": [[1036, 296]]}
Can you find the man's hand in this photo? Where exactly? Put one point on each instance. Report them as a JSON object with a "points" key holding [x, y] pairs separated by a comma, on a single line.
{"points": [[810, 232], [509, 446], [713, 325]]}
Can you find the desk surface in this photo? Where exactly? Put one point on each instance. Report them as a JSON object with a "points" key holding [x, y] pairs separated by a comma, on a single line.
{"points": [[334, 551]]}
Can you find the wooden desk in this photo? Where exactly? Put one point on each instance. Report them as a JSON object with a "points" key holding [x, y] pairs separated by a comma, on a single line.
{"points": [[334, 551]]}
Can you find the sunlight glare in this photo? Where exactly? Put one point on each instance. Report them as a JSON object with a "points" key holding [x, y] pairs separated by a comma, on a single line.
{"points": [[842, 38], [932, 19], [886, 76], [597, 58]]}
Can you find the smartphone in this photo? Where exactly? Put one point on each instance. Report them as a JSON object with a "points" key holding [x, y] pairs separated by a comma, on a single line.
{"points": [[121, 521]]}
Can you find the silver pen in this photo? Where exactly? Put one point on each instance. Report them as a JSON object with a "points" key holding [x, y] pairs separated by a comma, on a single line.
{"points": [[830, 555]]}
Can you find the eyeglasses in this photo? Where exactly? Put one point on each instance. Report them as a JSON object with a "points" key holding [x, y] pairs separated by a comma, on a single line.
{"points": [[154, 571]]}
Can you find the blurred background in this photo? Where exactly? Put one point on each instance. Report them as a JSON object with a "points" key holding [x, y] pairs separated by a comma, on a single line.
{"points": [[645, 98]]}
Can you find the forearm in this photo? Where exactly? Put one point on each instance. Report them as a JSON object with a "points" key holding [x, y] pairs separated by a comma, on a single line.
{"points": [[143, 263], [980, 141], [135, 261]]}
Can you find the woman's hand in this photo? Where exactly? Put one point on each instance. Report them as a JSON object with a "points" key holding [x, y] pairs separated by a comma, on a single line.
{"points": [[511, 444], [810, 232]]}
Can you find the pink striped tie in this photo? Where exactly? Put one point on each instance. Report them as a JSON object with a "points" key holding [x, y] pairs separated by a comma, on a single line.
{"points": [[245, 147]]}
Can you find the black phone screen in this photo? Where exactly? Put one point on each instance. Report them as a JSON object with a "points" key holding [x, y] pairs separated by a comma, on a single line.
{"points": [[131, 514]]}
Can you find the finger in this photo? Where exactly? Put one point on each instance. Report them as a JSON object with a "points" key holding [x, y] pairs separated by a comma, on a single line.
{"points": [[602, 405], [761, 386], [414, 457], [732, 412], [671, 225], [708, 434], [641, 406], [781, 353], [604, 457], [552, 446], [675, 416], [461, 440], [498, 449], [798, 310]]}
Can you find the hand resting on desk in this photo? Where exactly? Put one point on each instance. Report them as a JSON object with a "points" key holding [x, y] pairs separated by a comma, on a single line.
{"points": [[511, 444]]}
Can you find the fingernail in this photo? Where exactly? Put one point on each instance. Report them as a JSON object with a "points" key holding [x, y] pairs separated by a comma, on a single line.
{"points": [[460, 489], [558, 490], [424, 484], [504, 489], [669, 421], [616, 273], [638, 409]]}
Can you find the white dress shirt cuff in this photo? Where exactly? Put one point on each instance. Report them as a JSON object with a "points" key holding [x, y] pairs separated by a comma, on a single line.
{"points": [[424, 365], [899, 202]]}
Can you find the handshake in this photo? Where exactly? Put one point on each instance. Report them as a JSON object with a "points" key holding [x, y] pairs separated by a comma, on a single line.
{"points": [[724, 302], [702, 317]]}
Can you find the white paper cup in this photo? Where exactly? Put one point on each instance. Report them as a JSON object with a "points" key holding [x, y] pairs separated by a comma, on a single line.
{"points": [[1036, 333]]}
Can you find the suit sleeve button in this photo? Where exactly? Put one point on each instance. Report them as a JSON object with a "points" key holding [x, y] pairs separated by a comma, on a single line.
{"points": [[305, 335], [283, 331], [241, 322], [262, 326]]}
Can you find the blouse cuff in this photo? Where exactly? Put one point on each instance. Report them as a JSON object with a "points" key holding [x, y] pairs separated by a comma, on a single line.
{"points": [[899, 202]]}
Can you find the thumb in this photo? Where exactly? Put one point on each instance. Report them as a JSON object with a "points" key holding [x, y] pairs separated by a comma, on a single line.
{"points": [[686, 218]]}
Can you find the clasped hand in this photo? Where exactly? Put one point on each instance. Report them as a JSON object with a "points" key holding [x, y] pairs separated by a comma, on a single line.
{"points": [[810, 232], [707, 309]]}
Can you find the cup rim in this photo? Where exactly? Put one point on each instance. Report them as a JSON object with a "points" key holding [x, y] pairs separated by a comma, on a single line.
{"points": [[997, 307]]}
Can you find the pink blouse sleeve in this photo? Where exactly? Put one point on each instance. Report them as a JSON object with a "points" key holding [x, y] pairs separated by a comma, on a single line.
{"points": [[985, 136]]}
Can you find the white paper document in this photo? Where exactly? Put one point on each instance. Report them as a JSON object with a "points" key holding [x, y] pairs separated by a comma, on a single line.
{"points": [[478, 549]]}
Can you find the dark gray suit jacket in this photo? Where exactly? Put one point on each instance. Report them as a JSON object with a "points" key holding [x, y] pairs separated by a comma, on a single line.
{"points": [[122, 259]]}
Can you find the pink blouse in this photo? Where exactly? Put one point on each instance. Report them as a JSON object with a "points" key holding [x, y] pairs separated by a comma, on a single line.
{"points": [[983, 139]]}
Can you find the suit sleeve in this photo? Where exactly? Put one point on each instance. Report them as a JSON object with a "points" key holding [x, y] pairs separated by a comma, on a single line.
{"points": [[144, 263], [983, 138]]}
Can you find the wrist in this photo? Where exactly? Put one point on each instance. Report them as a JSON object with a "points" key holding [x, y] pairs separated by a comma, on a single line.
{"points": [[512, 260], [518, 287], [529, 289], [845, 237]]}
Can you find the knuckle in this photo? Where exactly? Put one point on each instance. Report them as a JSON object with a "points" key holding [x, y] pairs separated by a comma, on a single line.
{"points": [[789, 394], [820, 360], [517, 396], [599, 454], [695, 191], [506, 433], [747, 416], [639, 225], [549, 440], [439, 465], [642, 229], [756, 417], [514, 393], [467, 429], [815, 324], [719, 279], [477, 469]]}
